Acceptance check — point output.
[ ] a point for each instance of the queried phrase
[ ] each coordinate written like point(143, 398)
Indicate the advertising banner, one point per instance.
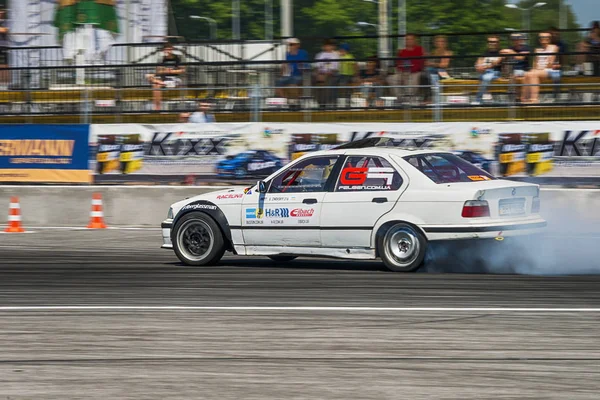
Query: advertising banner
point(44, 153)
point(248, 150)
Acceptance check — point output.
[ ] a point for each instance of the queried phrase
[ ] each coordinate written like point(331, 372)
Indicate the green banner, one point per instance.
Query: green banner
point(72, 13)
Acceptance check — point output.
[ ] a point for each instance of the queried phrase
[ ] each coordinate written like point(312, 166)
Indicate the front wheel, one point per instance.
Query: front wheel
point(197, 240)
point(402, 248)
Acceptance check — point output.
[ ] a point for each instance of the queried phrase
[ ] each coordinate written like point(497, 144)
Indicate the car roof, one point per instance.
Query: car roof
point(374, 151)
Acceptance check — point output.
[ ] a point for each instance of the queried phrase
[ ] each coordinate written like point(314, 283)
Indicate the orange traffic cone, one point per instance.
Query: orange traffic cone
point(14, 217)
point(97, 215)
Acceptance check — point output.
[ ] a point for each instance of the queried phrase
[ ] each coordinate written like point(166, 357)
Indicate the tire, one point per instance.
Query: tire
point(402, 248)
point(198, 240)
point(282, 259)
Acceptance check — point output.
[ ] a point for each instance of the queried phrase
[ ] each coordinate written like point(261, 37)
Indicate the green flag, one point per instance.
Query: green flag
point(72, 13)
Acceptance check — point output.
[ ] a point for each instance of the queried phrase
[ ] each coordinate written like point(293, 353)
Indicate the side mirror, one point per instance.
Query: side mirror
point(262, 187)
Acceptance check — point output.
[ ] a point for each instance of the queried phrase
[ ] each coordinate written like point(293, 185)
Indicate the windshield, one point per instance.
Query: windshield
point(447, 168)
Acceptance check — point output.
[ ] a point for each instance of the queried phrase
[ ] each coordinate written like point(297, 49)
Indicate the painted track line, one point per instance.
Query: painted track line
point(297, 308)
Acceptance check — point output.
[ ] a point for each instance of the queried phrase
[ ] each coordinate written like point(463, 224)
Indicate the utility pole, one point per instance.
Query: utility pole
point(383, 32)
point(269, 20)
point(401, 23)
point(562, 14)
point(235, 6)
point(287, 23)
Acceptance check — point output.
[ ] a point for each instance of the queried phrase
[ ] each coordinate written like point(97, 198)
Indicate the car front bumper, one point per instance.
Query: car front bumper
point(166, 234)
point(485, 231)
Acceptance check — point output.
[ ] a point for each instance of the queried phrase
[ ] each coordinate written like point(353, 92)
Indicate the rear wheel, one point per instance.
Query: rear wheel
point(282, 258)
point(198, 240)
point(402, 248)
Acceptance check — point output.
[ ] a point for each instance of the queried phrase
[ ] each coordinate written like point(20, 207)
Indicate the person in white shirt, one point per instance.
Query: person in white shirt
point(202, 116)
point(326, 72)
point(546, 65)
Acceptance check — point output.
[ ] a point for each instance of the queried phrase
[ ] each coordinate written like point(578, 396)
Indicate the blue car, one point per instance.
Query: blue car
point(476, 159)
point(251, 163)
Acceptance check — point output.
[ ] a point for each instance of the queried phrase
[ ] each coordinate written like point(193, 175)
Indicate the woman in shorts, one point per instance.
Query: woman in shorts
point(545, 66)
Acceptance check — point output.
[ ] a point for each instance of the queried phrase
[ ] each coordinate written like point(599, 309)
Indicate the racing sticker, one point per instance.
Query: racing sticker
point(279, 216)
point(363, 178)
point(479, 178)
point(230, 196)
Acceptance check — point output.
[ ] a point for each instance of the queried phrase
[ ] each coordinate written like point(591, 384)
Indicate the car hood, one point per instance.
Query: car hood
point(218, 197)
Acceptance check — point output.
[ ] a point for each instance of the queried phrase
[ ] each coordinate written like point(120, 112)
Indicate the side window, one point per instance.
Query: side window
point(368, 173)
point(309, 175)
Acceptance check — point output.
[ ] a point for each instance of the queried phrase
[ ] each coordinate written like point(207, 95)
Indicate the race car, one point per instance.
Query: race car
point(251, 163)
point(354, 202)
point(476, 159)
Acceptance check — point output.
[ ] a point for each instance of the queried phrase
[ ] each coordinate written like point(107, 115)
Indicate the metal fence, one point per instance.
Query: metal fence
point(424, 103)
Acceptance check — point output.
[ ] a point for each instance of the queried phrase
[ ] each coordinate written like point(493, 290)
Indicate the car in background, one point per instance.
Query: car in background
point(251, 163)
point(475, 158)
point(356, 202)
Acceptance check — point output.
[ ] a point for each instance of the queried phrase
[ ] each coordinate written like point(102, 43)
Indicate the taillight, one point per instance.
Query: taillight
point(476, 209)
point(535, 205)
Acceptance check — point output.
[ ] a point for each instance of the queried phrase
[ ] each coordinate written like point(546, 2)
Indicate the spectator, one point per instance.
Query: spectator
point(408, 69)
point(167, 74)
point(327, 72)
point(3, 49)
point(591, 44)
point(489, 66)
point(544, 67)
point(348, 69)
point(437, 66)
point(371, 81)
point(518, 59)
point(291, 72)
point(202, 115)
point(562, 47)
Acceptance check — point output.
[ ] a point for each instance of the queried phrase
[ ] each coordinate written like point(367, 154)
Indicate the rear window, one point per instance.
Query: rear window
point(447, 168)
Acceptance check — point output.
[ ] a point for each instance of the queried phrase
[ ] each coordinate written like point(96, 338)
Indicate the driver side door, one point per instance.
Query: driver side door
point(289, 214)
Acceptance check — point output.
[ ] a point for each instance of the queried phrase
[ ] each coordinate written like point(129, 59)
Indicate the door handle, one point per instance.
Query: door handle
point(309, 201)
point(379, 200)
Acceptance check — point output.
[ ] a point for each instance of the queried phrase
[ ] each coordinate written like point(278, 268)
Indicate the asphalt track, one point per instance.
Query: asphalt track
point(106, 314)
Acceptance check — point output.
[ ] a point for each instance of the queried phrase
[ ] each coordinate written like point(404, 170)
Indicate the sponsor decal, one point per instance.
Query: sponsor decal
point(230, 196)
point(363, 187)
point(475, 132)
point(300, 212)
point(199, 207)
point(255, 166)
point(280, 198)
point(164, 144)
point(247, 191)
point(358, 176)
point(254, 213)
point(277, 212)
point(580, 144)
point(276, 222)
point(478, 178)
point(267, 132)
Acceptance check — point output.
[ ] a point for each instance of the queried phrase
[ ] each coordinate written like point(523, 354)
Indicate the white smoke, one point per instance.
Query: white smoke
point(570, 246)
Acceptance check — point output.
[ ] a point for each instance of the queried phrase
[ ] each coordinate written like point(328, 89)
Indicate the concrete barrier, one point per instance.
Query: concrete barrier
point(146, 206)
point(70, 205)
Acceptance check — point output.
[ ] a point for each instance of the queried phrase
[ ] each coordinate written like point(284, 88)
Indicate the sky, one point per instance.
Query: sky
point(586, 11)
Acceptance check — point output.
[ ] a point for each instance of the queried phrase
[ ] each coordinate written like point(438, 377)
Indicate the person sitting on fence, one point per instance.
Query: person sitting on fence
point(291, 72)
point(489, 66)
point(591, 44)
point(327, 72)
point(168, 74)
point(545, 66)
point(372, 81)
point(518, 59)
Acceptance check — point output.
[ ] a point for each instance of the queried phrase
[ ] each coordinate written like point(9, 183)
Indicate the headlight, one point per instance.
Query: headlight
point(170, 213)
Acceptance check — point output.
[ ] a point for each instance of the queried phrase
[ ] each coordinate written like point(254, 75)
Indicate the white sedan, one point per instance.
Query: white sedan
point(355, 203)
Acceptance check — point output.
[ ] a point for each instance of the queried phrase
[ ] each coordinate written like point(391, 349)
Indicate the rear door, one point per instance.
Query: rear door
point(366, 188)
point(289, 215)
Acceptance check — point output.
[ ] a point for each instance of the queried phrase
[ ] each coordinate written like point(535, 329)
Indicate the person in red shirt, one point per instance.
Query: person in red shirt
point(408, 69)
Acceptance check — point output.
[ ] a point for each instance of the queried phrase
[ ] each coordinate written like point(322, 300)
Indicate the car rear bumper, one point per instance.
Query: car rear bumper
point(484, 231)
point(166, 234)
